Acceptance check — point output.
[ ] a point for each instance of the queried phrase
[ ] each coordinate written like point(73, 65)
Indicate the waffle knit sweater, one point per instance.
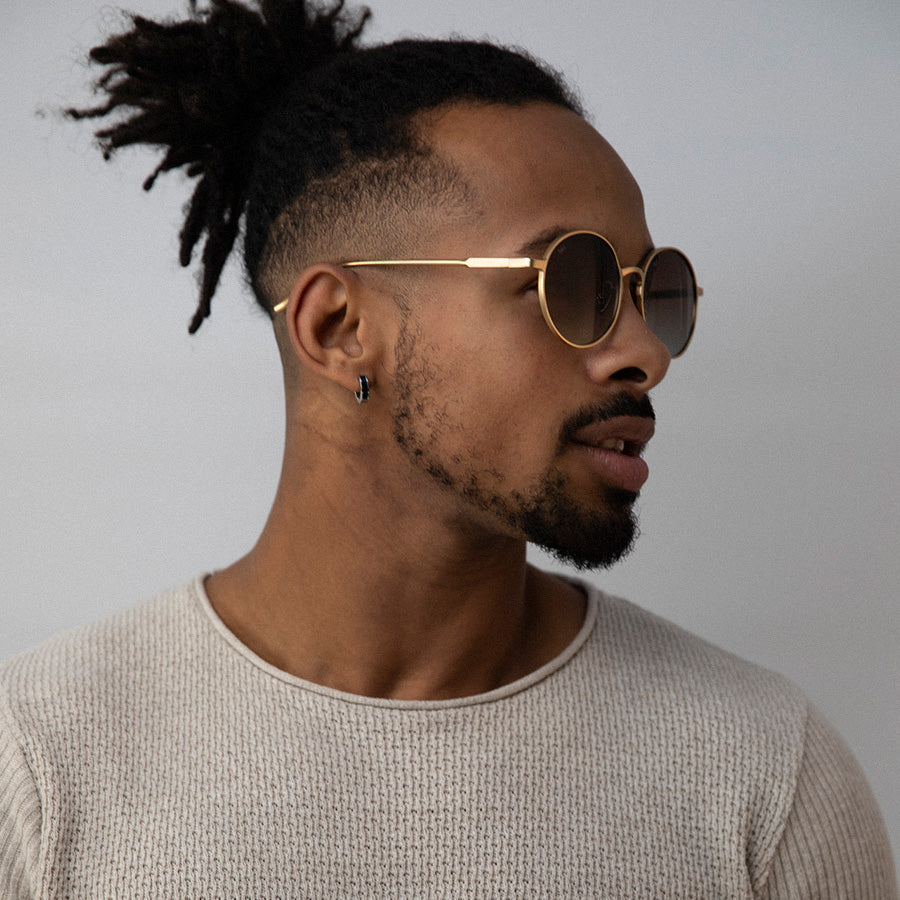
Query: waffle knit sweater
point(152, 755)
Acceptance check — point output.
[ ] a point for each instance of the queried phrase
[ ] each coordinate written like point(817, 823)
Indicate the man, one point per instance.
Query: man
point(382, 698)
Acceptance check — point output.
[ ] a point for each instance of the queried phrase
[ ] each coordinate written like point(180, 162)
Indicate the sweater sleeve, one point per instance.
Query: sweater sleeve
point(20, 815)
point(835, 845)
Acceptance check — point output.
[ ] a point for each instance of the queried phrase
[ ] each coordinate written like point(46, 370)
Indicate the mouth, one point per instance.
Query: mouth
point(613, 448)
point(628, 435)
point(618, 445)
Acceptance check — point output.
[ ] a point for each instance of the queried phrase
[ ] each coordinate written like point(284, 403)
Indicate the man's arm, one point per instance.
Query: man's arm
point(20, 816)
point(835, 845)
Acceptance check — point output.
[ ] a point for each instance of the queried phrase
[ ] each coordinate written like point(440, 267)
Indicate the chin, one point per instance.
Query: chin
point(586, 538)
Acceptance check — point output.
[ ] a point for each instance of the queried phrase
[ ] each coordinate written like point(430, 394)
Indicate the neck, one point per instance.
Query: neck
point(390, 599)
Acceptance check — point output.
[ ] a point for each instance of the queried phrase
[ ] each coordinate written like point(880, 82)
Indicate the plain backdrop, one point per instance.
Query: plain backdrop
point(765, 137)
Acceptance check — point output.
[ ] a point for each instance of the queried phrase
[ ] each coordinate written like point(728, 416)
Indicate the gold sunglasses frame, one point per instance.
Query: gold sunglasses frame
point(528, 262)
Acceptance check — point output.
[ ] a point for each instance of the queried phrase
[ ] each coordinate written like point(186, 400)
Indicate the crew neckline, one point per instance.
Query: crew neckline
point(507, 690)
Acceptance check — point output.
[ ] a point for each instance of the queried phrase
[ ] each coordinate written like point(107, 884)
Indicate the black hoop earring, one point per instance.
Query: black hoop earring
point(362, 395)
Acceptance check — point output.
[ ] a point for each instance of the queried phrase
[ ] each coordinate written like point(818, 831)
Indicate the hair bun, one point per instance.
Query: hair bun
point(200, 89)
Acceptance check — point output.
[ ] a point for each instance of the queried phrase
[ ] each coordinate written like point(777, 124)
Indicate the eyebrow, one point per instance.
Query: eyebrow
point(538, 245)
point(536, 248)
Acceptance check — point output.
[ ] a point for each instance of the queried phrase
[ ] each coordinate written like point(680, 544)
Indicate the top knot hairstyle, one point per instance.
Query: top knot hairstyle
point(293, 129)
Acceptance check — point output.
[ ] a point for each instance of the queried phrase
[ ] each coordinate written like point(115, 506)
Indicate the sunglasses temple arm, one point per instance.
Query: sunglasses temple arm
point(473, 262)
point(488, 262)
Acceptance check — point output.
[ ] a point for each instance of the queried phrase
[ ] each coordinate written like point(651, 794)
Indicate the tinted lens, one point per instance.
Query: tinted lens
point(581, 286)
point(670, 298)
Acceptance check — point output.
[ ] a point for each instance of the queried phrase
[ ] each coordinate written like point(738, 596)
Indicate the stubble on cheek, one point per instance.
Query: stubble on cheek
point(429, 422)
point(416, 424)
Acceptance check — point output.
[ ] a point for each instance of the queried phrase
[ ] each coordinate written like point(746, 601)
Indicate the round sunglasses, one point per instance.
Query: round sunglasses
point(580, 287)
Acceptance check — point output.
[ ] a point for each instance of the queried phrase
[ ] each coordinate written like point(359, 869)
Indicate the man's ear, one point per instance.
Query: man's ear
point(327, 321)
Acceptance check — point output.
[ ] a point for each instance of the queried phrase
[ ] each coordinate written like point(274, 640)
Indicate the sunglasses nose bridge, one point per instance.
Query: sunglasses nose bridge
point(633, 282)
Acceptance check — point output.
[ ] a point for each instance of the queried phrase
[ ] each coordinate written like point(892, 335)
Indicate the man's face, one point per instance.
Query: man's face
point(521, 434)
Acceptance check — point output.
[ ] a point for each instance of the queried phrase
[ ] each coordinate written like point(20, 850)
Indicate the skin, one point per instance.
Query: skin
point(372, 575)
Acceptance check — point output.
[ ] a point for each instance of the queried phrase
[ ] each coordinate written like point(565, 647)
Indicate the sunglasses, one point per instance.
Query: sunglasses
point(580, 287)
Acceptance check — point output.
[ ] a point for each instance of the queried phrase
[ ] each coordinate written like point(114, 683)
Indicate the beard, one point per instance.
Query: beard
point(585, 535)
point(577, 534)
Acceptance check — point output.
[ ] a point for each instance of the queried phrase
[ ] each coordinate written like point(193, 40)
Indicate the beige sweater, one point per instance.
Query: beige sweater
point(151, 755)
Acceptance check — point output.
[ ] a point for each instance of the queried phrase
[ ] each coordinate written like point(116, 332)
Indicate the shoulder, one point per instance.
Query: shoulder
point(120, 633)
point(672, 666)
point(64, 701)
point(75, 672)
point(732, 729)
point(58, 703)
point(703, 712)
point(722, 734)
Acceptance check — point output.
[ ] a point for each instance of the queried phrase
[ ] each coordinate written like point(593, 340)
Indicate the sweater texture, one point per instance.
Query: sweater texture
point(152, 755)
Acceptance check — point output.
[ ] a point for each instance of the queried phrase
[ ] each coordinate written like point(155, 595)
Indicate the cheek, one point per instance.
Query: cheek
point(507, 408)
point(492, 385)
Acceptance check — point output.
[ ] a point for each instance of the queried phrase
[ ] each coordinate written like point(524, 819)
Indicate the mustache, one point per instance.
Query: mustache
point(623, 404)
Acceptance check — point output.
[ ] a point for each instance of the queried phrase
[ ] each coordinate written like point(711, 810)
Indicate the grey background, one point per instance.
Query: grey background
point(765, 136)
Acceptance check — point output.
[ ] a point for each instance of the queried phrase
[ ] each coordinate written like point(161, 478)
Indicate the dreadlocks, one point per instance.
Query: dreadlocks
point(291, 128)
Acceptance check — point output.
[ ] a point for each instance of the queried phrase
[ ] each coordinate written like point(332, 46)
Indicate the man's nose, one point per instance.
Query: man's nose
point(631, 352)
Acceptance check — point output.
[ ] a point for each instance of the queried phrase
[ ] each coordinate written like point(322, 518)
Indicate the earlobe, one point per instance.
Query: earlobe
point(324, 318)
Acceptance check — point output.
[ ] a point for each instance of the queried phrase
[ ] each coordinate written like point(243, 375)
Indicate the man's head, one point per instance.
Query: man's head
point(480, 412)
point(416, 149)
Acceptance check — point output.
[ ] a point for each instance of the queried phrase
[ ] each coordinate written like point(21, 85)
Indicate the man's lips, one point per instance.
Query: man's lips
point(628, 434)
point(613, 448)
